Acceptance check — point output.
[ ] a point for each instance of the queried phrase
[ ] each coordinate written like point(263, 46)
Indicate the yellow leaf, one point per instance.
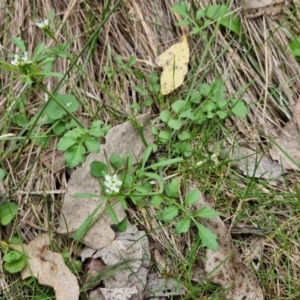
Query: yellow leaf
point(174, 62)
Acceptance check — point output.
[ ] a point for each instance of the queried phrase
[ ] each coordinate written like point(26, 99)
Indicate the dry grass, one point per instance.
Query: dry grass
point(260, 69)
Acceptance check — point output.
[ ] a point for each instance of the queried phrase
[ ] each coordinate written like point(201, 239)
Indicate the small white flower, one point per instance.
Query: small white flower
point(43, 24)
point(112, 183)
point(25, 59)
point(21, 60)
point(16, 61)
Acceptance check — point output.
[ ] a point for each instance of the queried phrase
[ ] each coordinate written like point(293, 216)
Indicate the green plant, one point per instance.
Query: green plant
point(136, 185)
point(14, 261)
point(206, 103)
point(78, 141)
point(74, 265)
point(8, 210)
point(205, 17)
point(2, 174)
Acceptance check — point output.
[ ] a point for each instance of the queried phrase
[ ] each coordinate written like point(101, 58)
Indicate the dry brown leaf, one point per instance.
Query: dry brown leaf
point(256, 8)
point(113, 294)
point(223, 267)
point(49, 268)
point(122, 139)
point(131, 250)
point(289, 142)
point(252, 163)
point(162, 287)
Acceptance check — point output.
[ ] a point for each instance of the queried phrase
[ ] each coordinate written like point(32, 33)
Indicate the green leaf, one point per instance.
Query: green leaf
point(209, 238)
point(192, 197)
point(75, 156)
point(164, 136)
point(12, 256)
point(239, 109)
point(92, 144)
point(139, 88)
point(156, 201)
point(183, 226)
point(153, 78)
point(86, 195)
point(49, 74)
point(172, 188)
point(169, 213)
point(184, 135)
point(231, 20)
point(165, 163)
point(2, 174)
point(164, 116)
point(96, 129)
point(16, 240)
point(222, 114)
point(122, 226)
point(19, 43)
point(184, 148)
point(98, 169)
point(174, 124)
point(38, 50)
point(199, 14)
point(132, 60)
point(204, 89)
point(66, 142)
point(127, 180)
point(54, 111)
point(295, 46)
point(206, 212)
point(146, 156)
point(181, 8)
point(178, 106)
point(184, 23)
point(116, 161)
point(112, 214)
point(20, 119)
point(8, 210)
point(16, 266)
point(59, 128)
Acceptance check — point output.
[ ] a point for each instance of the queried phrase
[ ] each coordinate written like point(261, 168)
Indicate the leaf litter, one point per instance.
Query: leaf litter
point(252, 163)
point(286, 147)
point(49, 268)
point(128, 258)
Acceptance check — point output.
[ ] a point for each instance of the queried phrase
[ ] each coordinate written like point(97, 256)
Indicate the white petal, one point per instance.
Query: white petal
point(107, 178)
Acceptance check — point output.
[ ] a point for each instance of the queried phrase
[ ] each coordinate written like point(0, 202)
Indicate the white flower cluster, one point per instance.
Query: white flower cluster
point(21, 60)
point(43, 24)
point(112, 183)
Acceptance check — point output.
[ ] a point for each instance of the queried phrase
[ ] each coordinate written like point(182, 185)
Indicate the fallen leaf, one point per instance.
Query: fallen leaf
point(289, 145)
point(162, 287)
point(223, 267)
point(113, 294)
point(256, 8)
point(174, 62)
point(49, 268)
point(254, 253)
point(253, 163)
point(121, 139)
point(129, 255)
